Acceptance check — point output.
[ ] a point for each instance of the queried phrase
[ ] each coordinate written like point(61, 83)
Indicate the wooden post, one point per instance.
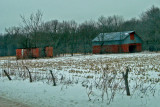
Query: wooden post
point(125, 77)
point(30, 76)
point(53, 78)
point(7, 75)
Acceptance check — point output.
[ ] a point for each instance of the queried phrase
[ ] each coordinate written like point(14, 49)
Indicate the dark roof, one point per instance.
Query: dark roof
point(112, 36)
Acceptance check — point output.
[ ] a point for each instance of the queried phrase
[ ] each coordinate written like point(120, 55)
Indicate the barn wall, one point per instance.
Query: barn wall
point(96, 43)
point(106, 49)
point(125, 48)
point(128, 40)
point(116, 48)
point(139, 47)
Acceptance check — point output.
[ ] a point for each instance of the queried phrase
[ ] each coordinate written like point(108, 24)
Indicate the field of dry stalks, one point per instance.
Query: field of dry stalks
point(141, 65)
point(100, 75)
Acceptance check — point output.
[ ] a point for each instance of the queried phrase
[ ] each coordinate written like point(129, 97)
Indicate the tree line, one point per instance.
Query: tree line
point(70, 37)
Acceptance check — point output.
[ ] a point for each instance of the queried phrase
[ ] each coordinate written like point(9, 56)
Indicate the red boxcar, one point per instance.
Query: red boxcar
point(18, 53)
point(34, 53)
point(21, 53)
point(49, 51)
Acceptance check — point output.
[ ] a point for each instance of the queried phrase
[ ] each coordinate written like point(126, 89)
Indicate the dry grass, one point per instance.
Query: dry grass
point(94, 71)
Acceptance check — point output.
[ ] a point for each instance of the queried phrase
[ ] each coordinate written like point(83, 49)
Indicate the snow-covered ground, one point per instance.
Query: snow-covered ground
point(83, 80)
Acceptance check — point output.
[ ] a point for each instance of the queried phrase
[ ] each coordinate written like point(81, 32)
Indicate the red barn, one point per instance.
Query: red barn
point(117, 42)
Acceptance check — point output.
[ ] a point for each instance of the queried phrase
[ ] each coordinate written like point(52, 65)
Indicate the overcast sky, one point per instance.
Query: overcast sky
point(78, 10)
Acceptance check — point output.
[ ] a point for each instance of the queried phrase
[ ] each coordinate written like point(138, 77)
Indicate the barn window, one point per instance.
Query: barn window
point(132, 36)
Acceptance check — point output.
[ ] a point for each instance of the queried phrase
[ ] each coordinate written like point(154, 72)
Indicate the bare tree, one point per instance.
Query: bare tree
point(32, 25)
point(73, 29)
point(110, 24)
point(150, 26)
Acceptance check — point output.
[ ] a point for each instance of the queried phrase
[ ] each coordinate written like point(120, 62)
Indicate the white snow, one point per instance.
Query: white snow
point(76, 77)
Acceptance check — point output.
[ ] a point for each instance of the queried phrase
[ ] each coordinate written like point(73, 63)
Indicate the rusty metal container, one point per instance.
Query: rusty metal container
point(18, 53)
point(35, 52)
point(49, 51)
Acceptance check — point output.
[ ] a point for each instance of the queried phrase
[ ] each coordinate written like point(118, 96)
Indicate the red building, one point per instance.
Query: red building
point(34, 53)
point(49, 51)
point(117, 42)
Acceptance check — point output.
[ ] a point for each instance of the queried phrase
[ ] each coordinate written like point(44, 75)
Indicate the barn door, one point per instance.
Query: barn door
point(132, 48)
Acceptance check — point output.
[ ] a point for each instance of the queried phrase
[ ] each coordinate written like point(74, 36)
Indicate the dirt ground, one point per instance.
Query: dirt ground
point(8, 103)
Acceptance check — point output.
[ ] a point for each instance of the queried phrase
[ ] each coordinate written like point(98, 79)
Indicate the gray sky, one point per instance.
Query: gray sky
point(78, 10)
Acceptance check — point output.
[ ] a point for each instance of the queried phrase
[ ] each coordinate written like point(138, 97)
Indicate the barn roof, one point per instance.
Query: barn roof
point(112, 36)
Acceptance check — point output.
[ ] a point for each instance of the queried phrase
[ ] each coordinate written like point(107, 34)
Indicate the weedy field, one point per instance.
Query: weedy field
point(83, 80)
